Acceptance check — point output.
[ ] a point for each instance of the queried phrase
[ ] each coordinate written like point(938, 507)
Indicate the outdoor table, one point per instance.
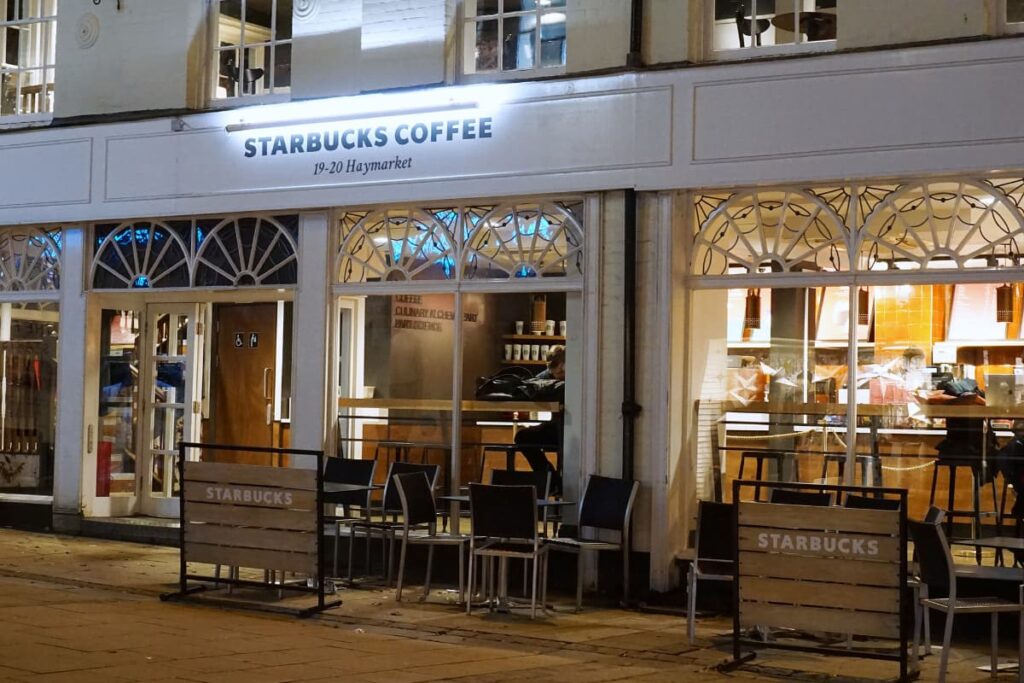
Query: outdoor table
point(540, 503)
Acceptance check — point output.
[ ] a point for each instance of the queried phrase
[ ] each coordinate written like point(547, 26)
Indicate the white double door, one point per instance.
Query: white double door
point(170, 406)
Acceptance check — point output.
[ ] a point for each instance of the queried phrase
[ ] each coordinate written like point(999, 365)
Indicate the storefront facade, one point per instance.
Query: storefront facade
point(335, 221)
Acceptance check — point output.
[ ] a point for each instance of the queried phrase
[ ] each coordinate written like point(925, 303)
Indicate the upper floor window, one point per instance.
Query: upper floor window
point(253, 54)
point(502, 36)
point(1015, 15)
point(754, 24)
point(27, 56)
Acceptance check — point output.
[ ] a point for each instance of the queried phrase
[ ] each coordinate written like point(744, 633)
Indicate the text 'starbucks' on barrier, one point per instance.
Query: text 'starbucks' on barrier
point(250, 508)
point(833, 577)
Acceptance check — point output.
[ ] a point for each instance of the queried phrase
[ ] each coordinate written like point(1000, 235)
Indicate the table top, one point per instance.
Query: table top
point(540, 503)
point(817, 25)
point(998, 542)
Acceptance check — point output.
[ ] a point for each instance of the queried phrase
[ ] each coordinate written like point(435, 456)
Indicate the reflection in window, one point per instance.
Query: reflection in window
point(756, 23)
point(254, 44)
point(27, 56)
point(514, 35)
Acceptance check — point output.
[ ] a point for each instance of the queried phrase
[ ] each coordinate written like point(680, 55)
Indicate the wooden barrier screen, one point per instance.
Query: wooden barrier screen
point(251, 516)
point(815, 569)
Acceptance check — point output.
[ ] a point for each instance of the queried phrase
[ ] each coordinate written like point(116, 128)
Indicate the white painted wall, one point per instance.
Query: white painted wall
point(597, 34)
point(326, 50)
point(403, 43)
point(148, 56)
point(868, 23)
point(669, 30)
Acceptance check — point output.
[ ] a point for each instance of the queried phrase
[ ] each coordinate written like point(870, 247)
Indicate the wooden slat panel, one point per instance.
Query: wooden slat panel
point(264, 539)
point(884, 522)
point(252, 475)
point(803, 543)
point(267, 518)
point(258, 559)
point(267, 497)
point(817, 619)
point(814, 594)
point(794, 567)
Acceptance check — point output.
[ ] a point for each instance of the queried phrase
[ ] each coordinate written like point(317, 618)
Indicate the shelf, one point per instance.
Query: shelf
point(533, 337)
point(524, 362)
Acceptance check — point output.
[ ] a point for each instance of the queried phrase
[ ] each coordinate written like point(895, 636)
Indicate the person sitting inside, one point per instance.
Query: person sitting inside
point(533, 441)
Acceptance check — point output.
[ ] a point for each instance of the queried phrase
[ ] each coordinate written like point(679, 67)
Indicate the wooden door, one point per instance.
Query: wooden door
point(243, 374)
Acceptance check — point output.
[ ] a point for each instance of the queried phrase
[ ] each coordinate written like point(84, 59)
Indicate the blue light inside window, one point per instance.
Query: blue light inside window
point(525, 271)
point(448, 265)
point(141, 282)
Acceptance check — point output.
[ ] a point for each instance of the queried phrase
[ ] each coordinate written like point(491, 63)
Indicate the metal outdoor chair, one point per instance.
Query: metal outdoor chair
point(937, 572)
point(790, 497)
point(503, 523)
point(391, 506)
point(539, 480)
point(419, 512)
point(855, 502)
point(349, 471)
point(714, 553)
point(608, 506)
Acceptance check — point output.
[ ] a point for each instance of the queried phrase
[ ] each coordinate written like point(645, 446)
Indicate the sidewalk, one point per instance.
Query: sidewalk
point(79, 609)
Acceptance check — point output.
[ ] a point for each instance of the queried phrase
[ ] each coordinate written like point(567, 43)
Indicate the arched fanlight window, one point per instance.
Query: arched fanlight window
point(523, 241)
point(959, 224)
point(140, 255)
point(774, 230)
point(30, 259)
point(246, 251)
point(395, 245)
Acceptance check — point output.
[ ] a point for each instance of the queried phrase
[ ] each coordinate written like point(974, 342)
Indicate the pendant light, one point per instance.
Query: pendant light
point(863, 306)
point(1004, 303)
point(752, 310)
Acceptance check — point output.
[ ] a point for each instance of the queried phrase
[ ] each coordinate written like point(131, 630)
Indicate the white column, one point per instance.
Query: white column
point(71, 440)
point(309, 348)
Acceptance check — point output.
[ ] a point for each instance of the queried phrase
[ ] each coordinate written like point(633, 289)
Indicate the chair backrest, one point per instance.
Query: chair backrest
point(746, 26)
point(417, 498)
point(935, 515)
point(715, 531)
point(608, 502)
point(868, 503)
point(933, 558)
point(790, 497)
point(392, 503)
point(539, 480)
point(503, 511)
point(350, 471)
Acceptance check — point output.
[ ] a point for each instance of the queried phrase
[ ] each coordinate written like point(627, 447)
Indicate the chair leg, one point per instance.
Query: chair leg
point(759, 473)
point(625, 574)
point(533, 593)
point(430, 565)
point(691, 596)
point(946, 638)
point(935, 480)
point(337, 542)
point(469, 589)
point(579, 580)
point(994, 653)
point(462, 578)
point(351, 548)
point(915, 650)
point(1020, 643)
point(544, 586)
point(401, 571)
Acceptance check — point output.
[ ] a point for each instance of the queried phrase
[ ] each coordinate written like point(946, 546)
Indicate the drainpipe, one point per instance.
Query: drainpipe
point(630, 408)
point(635, 57)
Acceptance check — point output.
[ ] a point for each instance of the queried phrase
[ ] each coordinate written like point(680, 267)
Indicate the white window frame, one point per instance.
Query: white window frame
point(241, 32)
point(467, 43)
point(43, 56)
point(751, 51)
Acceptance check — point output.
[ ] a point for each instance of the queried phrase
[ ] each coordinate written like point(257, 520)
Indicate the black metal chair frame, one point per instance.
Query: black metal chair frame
point(715, 529)
point(353, 471)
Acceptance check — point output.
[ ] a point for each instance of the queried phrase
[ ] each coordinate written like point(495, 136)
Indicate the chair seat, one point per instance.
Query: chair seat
point(438, 539)
point(987, 604)
point(576, 544)
point(972, 571)
point(507, 549)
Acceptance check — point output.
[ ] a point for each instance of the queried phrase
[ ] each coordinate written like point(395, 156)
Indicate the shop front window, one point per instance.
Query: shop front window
point(27, 56)
point(503, 36)
point(747, 25)
point(254, 47)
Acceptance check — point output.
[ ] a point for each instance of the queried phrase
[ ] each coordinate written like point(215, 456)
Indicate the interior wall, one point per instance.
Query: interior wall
point(667, 29)
point(166, 44)
point(867, 23)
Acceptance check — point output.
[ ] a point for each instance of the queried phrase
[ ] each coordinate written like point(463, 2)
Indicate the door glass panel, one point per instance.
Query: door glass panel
point(167, 400)
point(118, 403)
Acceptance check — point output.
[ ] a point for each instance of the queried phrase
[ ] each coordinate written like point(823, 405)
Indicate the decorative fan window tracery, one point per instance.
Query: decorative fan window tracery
point(237, 251)
point(397, 245)
point(944, 225)
point(523, 241)
point(30, 259)
point(497, 242)
point(778, 230)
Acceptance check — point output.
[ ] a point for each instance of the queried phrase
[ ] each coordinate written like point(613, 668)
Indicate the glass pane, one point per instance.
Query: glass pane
point(772, 387)
point(13, 10)
point(401, 411)
point(253, 76)
point(229, 25)
point(521, 5)
point(1014, 10)
point(8, 94)
point(486, 45)
point(484, 8)
point(227, 77)
point(34, 93)
point(28, 357)
point(118, 403)
point(283, 66)
point(552, 39)
point(12, 45)
point(518, 42)
point(284, 20)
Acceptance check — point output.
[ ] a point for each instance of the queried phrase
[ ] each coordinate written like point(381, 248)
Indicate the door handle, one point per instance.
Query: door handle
point(268, 394)
point(270, 413)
